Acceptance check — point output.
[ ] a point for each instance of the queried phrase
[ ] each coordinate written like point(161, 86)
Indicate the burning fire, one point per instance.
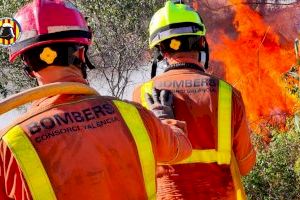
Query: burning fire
point(254, 62)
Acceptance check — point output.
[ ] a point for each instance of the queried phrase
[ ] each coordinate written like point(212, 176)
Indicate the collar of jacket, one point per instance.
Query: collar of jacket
point(184, 66)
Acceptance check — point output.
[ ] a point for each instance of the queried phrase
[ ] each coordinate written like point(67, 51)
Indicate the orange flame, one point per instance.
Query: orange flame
point(254, 62)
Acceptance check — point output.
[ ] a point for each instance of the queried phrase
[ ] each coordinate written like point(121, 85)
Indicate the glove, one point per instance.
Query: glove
point(160, 103)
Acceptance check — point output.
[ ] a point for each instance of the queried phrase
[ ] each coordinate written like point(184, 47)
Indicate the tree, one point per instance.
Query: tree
point(120, 44)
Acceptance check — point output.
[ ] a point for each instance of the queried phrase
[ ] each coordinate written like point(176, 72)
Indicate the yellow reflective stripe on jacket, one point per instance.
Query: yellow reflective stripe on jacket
point(131, 116)
point(201, 156)
point(237, 181)
point(206, 156)
point(146, 88)
point(223, 153)
point(30, 164)
point(224, 122)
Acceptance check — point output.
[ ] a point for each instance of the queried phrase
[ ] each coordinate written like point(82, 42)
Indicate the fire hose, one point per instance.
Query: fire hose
point(36, 93)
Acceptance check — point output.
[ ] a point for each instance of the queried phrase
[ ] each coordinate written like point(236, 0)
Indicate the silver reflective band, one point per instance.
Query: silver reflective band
point(174, 31)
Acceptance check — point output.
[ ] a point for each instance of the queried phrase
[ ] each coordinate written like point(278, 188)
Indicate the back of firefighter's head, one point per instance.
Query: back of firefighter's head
point(178, 28)
point(54, 33)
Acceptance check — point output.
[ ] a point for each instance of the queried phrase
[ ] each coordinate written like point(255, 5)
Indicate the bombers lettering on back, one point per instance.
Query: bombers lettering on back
point(66, 118)
point(205, 82)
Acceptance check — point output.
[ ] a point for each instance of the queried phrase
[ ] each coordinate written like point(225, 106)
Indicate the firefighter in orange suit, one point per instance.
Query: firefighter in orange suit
point(86, 147)
point(213, 110)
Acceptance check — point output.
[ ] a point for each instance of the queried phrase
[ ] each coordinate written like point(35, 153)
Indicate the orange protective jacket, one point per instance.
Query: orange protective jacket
point(196, 102)
point(87, 149)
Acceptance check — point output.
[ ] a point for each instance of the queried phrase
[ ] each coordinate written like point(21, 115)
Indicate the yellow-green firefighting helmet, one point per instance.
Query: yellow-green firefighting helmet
point(174, 19)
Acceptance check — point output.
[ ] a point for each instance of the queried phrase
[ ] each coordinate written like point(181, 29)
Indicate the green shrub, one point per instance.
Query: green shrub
point(277, 171)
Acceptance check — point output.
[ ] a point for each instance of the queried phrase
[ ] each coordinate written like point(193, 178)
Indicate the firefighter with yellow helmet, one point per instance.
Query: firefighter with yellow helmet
point(213, 110)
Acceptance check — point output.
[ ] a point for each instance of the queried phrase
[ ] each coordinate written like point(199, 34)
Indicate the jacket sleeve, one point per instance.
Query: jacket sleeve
point(242, 145)
point(169, 137)
point(12, 183)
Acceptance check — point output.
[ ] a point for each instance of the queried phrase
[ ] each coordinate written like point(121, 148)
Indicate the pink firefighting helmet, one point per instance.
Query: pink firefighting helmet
point(47, 22)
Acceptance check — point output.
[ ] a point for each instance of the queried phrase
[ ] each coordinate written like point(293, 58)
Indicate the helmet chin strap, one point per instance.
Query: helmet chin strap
point(204, 54)
point(157, 57)
point(86, 64)
point(202, 58)
point(87, 61)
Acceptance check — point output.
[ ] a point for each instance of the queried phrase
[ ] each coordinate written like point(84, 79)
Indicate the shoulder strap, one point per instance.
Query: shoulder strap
point(135, 124)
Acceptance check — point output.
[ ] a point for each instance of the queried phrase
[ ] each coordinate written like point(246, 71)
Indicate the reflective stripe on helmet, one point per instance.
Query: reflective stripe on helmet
point(51, 29)
point(222, 154)
point(51, 36)
point(139, 132)
point(30, 164)
point(55, 29)
point(173, 30)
